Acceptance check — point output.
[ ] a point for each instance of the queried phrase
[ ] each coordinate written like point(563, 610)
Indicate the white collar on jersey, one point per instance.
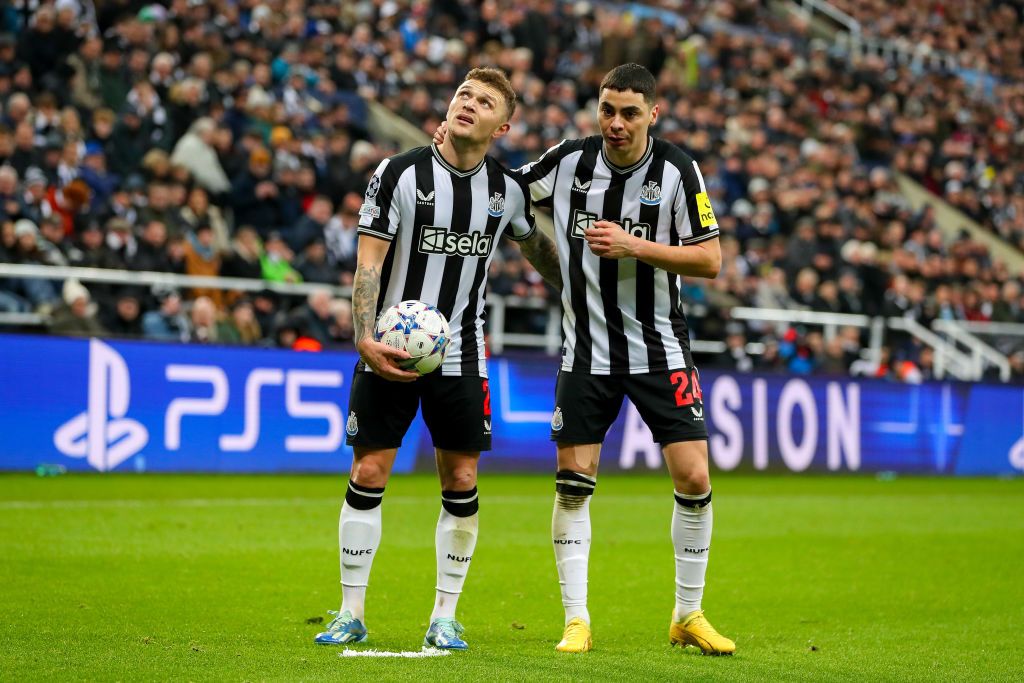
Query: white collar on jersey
point(451, 169)
point(629, 169)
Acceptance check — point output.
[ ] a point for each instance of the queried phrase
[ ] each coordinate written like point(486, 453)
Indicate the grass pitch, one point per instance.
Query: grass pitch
point(218, 578)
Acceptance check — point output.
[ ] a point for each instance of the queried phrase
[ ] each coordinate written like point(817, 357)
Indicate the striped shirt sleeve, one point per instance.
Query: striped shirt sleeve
point(522, 225)
point(380, 214)
point(695, 220)
point(540, 175)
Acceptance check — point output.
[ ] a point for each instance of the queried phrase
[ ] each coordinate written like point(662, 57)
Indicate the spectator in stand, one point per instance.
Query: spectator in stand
point(341, 238)
point(243, 258)
point(341, 330)
point(168, 322)
point(255, 196)
point(26, 250)
point(735, 354)
point(207, 328)
point(275, 262)
point(195, 152)
point(202, 258)
point(198, 210)
point(314, 319)
point(59, 249)
point(311, 226)
point(76, 317)
point(313, 265)
point(151, 253)
point(124, 319)
point(11, 205)
point(243, 322)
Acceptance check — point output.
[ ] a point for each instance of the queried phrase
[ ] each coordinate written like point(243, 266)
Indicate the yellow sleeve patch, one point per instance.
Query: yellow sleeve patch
point(704, 210)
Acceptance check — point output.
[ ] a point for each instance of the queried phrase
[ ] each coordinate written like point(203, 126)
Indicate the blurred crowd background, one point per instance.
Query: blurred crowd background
point(233, 139)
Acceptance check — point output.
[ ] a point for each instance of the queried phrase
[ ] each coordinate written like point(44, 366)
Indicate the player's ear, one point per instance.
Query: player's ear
point(501, 130)
point(654, 114)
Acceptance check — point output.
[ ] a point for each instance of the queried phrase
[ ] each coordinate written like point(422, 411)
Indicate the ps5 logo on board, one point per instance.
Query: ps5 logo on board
point(102, 434)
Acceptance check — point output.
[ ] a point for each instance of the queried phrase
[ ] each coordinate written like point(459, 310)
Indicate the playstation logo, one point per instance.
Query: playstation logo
point(102, 434)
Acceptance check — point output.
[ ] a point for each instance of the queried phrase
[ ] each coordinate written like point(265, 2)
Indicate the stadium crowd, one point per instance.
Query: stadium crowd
point(217, 138)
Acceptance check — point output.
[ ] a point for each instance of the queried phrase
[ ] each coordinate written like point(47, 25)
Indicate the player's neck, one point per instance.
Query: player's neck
point(626, 158)
point(462, 155)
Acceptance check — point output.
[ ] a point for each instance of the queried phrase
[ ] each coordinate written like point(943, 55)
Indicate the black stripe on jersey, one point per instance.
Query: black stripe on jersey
point(583, 351)
point(471, 362)
point(462, 214)
point(608, 277)
point(423, 216)
point(649, 214)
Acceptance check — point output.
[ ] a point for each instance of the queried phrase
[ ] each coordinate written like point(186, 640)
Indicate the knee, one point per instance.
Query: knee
point(370, 472)
point(461, 478)
point(694, 482)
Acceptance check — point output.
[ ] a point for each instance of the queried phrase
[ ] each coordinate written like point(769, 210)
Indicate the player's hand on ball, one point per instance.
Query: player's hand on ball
point(608, 240)
point(383, 360)
point(441, 131)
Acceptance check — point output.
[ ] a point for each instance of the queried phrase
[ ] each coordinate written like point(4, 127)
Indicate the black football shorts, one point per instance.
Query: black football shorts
point(456, 410)
point(670, 402)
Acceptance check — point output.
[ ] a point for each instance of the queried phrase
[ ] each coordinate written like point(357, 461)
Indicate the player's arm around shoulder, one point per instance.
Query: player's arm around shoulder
point(540, 251)
point(536, 247)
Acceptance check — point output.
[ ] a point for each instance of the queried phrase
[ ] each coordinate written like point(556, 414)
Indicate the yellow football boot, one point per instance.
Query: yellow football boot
point(694, 629)
point(576, 637)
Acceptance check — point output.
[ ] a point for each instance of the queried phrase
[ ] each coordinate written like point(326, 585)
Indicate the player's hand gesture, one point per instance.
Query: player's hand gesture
point(383, 360)
point(441, 131)
point(608, 240)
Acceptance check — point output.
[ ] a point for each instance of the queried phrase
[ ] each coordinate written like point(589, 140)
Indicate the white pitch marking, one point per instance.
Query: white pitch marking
point(425, 652)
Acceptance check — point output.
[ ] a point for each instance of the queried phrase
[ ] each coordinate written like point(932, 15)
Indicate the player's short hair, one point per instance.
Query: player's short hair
point(497, 79)
point(631, 77)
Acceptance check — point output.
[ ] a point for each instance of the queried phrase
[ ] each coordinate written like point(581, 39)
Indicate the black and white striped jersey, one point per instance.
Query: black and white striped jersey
point(621, 316)
point(444, 225)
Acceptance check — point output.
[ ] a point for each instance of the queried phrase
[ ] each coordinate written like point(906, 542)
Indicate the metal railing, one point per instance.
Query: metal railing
point(897, 51)
point(947, 358)
point(151, 278)
point(809, 7)
point(980, 351)
point(829, 322)
point(550, 340)
point(945, 337)
point(13, 319)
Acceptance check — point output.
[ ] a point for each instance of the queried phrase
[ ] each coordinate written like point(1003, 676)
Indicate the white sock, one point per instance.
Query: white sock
point(691, 539)
point(570, 535)
point(359, 531)
point(454, 543)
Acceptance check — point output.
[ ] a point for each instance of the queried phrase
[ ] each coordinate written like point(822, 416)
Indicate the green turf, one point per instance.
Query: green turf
point(216, 578)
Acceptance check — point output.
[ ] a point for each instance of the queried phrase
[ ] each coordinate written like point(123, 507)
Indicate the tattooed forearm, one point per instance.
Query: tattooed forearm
point(540, 250)
point(365, 289)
